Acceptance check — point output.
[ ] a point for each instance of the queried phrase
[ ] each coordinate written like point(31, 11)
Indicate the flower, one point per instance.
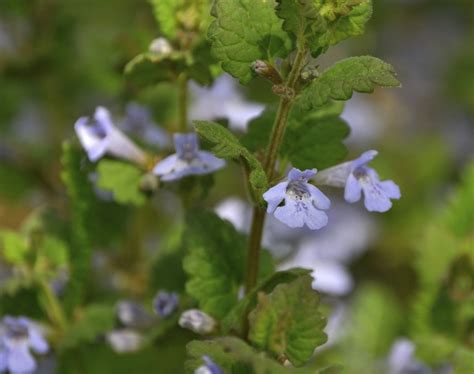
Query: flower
point(132, 314)
point(188, 160)
point(165, 303)
point(197, 321)
point(138, 121)
point(356, 177)
point(160, 46)
point(17, 337)
point(101, 137)
point(223, 100)
point(402, 359)
point(124, 340)
point(303, 202)
point(209, 368)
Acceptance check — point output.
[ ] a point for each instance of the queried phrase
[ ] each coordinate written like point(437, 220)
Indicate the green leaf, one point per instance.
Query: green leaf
point(300, 18)
point(341, 20)
point(54, 251)
point(234, 356)
point(236, 319)
point(245, 31)
point(122, 179)
point(165, 14)
point(287, 323)
point(316, 143)
point(361, 74)
point(320, 24)
point(14, 247)
point(96, 319)
point(215, 262)
point(226, 145)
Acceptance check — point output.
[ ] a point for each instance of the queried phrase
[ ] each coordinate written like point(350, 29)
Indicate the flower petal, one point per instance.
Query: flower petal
point(3, 359)
point(321, 201)
point(211, 162)
point(103, 118)
point(290, 214)
point(352, 192)
point(391, 189)
point(363, 159)
point(37, 342)
point(20, 359)
point(315, 218)
point(166, 165)
point(375, 198)
point(275, 195)
point(297, 174)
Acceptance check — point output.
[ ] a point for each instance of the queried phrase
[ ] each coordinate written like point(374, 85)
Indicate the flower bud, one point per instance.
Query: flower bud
point(197, 321)
point(160, 46)
point(267, 71)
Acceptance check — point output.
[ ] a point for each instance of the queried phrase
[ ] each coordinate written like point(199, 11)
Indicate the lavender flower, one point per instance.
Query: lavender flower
point(132, 314)
point(302, 202)
point(356, 177)
point(210, 367)
point(138, 120)
point(197, 321)
point(188, 160)
point(101, 137)
point(165, 303)
point(17, 337)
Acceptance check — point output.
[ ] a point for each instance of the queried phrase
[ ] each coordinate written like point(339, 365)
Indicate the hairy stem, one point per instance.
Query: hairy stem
point(276, 138)
point(183, 102)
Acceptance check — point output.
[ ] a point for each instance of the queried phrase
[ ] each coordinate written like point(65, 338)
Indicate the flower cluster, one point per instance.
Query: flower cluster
point(17, 337)
point(102, 137)
point(296, 202)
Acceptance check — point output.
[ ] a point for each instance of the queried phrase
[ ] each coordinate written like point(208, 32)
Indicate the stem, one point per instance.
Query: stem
point(53, 307)
point(276, 138)
point(183, 102)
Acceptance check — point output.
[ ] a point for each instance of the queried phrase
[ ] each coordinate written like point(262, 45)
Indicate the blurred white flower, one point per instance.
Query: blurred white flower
point(402, 359)
point(124, 340)
point(161, 46)
point(197, 321)
point(223, 101)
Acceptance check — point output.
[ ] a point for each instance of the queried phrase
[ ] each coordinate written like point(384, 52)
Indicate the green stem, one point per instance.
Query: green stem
point(53, 307)
point(183, 102)
point(276, 138)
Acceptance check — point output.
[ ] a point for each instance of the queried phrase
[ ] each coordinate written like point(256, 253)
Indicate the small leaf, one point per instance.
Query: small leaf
point(287, 323)
point(54, 251)
point(234, 356)
point(361, 74)
point(122, 179)
point(165, 14)
point(245, 31)
point(215, 262)
point(235, 320)
point(14, 247)
point(226, 145)
point(342, 19)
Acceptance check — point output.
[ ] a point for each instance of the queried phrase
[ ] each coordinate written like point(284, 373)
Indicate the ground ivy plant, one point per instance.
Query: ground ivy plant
point(247, 317)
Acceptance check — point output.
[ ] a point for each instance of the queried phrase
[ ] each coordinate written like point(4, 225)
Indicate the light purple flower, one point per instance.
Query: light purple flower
point(356, 177)
point(188, 160)
point(138, 120)
point(303, 203)
point(210, 367)
point(101, 137)
point(17, 337)
point(165, 303)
